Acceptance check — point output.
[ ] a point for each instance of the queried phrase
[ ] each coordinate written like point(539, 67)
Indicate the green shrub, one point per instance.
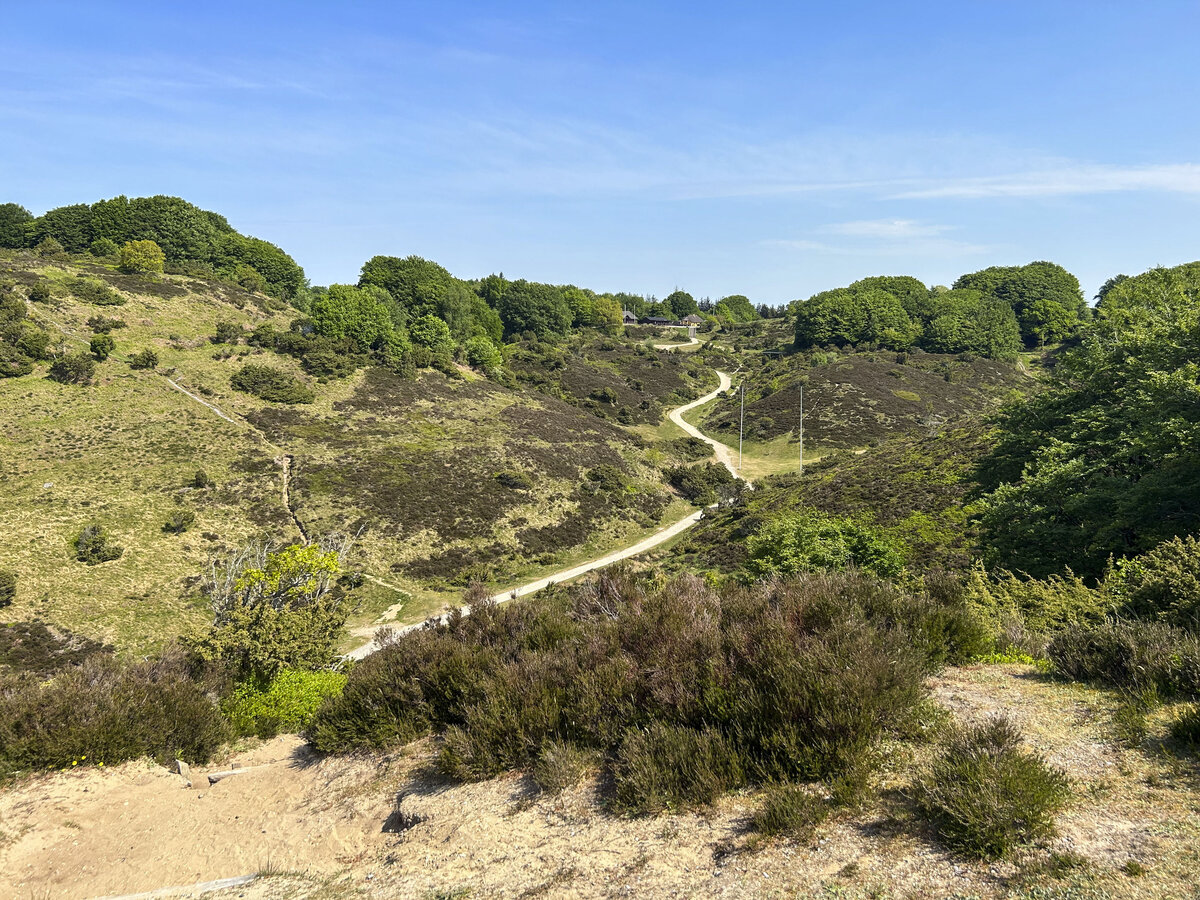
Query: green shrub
point(8, 587)
point(810, 542)
point(89, 290)
point(101, 346)
point(790, 809)
point(271, 384)
point(104, 324)
point(1026, 612)
point(202, 479)
point(517, 481)
point(14, 363)
point(145, 359)
point(49, 248)
point(1163, 584)
point(1138, 655)
point(102, 247)
point(40, 292)
point(1186, 727)
point(1129, 721)
point(274, 610)
point(179, 521)
point(74, 368)
point(228, 333)
point(699, 483)
point(142, 257)
point(671, 767)
point(482, 354)
point(986, 795)
point(94, 546)
point(105, 712)
point(560, 766)
point(285, 705)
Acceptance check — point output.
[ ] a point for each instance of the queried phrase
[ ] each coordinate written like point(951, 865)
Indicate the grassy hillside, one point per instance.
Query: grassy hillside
point(857, 398)
point(912, 487)
point(412, 463)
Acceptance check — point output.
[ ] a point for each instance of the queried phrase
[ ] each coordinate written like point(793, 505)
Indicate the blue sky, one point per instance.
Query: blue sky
point(770, 149)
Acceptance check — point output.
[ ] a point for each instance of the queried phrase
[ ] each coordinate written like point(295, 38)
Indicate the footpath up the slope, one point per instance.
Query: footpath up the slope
point(720, 451)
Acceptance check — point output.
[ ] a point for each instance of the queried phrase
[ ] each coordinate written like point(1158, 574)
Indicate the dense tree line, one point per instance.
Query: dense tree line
point(992, 312)
point(191, 239)
point(1106, 460)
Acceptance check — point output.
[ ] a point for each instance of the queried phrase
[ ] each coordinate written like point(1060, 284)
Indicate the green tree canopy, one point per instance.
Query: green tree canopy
point(911, 292)
point(681, 303)
point(1045, 297)
point(735, 308)
point(360, 314)
point(530, 306)
point(16, 226)
point(1105, 461)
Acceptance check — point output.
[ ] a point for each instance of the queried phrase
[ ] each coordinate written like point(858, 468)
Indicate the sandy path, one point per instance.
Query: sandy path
point(688, 343)
point(723, 454)
point(98, 832)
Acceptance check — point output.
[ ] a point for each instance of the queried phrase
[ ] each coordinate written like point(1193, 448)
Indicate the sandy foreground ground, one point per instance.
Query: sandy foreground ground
point(384, 827)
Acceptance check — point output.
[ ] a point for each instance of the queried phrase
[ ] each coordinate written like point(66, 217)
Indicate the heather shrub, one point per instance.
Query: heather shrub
point(8, 587)
point(560, 766)
point(986, 795)
point(104, 324)
point(673, 767)
point(36, 648)
point(285, 704)
point(1139, 655)
point(682, 692)
point(105, 712)
point(790, 809)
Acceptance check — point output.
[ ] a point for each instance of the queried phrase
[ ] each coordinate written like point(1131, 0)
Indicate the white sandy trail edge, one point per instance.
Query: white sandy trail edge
point(723, 454)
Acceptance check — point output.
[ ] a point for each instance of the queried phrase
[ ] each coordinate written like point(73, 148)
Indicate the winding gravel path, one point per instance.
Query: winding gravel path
point(723, 455)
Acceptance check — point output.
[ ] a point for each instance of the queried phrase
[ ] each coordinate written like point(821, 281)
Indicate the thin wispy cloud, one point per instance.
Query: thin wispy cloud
point(887, 228)
point(1181, 178)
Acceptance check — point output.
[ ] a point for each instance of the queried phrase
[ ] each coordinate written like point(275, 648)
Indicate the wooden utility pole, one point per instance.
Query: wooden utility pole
point(741, 428)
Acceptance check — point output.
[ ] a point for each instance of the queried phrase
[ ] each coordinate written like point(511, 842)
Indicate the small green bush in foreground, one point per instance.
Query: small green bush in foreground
point(985, 795)
point(285, 705)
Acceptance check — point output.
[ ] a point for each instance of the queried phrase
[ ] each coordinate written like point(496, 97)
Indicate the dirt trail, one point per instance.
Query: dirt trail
point(691, 341)
point(98, 832)
point(91, 833)
point(723, 455)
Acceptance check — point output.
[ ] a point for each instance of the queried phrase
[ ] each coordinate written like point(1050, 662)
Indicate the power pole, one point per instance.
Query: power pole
point(802, 431)
point(741, 428)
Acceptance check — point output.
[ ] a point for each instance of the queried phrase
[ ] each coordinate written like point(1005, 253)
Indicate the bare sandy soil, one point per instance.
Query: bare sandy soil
point(315, 829)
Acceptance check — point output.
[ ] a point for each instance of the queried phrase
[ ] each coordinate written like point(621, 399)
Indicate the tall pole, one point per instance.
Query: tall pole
point(801, 430)
point(741, 427)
